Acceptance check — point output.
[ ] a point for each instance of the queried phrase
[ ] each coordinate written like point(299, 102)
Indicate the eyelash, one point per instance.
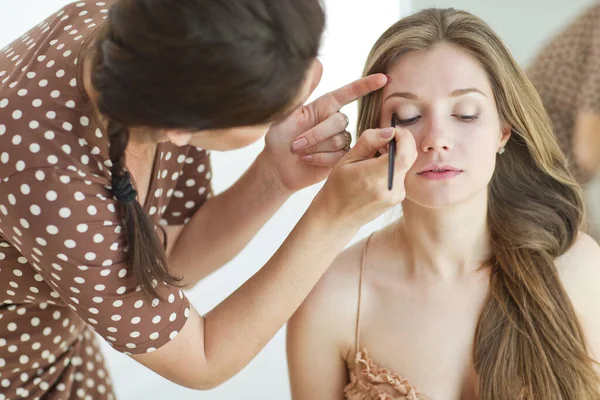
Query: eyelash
point(464, 118)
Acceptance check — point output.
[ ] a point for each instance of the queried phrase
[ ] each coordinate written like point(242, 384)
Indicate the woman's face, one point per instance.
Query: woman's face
point(443, 97)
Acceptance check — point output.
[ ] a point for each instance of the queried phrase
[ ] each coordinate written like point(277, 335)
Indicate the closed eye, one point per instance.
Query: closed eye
point(466, 118)
point(404, 122)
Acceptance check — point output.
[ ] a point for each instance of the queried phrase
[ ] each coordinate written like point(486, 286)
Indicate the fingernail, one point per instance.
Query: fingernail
point(308, 158)
point(300, 144)
point(389, 78)
point(387, 133)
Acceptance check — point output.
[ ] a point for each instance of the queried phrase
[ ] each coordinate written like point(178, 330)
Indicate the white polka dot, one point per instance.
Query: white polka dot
point(22, 92)
point(51, 229)
point(12, 327)
point(122, 273)
point(100, 287)
point(17, 114)
point(50, 64)
point(35, 209)
point(69, 243)
point(64, 212)
point(51, 195)
point(41, 241)
point(135, 320)
point(90, 256)
point(173, 317)
point(67, 126)
point(189, 205)
point(43, 83)
point(3, 103)
point(36, 103)
point(20, 165)
point(31, 75)
point(4, 157)
point(34, 124)
point(70, 104)
point(55, 94)
point(34, 147)
point(85, 159)
point(116, 317)
point(121, 290)
point(35, 321)
point(92, 210)
point(79, 196)
point(50, 115)
point(155, 302)
point(65, 179)
point(52, 159)
point(82, 228)
point(2, 129)
point(117, 303)
point(173, 334)
point(60, 73)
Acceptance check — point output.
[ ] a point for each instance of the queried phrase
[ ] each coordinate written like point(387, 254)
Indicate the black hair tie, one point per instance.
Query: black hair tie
point(123, 189)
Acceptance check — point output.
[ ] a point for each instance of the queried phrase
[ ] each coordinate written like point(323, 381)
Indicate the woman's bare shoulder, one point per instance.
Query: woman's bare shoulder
point(332, 305)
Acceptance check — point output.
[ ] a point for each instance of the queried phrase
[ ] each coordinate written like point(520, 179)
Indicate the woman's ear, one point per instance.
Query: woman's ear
point(505, 134)
point(179, 138)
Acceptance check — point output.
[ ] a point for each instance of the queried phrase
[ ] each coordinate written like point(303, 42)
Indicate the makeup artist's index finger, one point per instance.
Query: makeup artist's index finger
point(333, 101)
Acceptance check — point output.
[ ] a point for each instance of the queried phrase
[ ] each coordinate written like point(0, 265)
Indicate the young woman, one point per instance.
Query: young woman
point(485, 288)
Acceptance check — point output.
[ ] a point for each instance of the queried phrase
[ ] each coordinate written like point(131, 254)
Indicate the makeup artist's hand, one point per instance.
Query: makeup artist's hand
point(303, 148)
point(357, 188)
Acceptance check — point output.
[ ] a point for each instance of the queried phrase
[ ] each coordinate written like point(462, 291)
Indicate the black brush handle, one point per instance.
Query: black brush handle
point(392, 155)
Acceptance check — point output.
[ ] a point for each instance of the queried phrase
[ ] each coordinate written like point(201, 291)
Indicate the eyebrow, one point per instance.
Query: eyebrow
point(454, 93)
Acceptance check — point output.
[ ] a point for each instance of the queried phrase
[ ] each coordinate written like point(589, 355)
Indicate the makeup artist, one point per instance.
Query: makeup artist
point(107, 110)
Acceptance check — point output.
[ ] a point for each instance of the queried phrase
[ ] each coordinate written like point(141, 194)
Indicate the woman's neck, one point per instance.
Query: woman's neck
point(447, 242)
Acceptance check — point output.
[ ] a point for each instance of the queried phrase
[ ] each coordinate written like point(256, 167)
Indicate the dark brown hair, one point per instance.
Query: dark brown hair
point(196, 65)
point(529, 343)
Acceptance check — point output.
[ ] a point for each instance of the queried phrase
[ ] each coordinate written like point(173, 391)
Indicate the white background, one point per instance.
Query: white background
point(352, 28)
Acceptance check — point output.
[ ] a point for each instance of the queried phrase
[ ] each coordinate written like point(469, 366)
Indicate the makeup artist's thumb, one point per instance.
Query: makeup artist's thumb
point(369, 143)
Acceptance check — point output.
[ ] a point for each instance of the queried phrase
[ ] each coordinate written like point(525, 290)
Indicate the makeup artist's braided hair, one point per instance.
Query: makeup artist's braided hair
point(194, 65)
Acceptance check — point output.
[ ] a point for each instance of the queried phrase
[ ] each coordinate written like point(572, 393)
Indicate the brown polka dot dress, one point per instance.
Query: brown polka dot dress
point(63, 275)
point(566, 74)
